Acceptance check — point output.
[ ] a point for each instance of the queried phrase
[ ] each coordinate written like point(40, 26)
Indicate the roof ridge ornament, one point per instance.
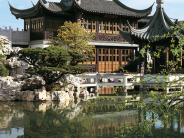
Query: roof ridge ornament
point(78, 2)
point(160, 2)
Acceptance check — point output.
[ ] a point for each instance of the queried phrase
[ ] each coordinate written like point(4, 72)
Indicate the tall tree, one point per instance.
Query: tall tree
point(77, 39)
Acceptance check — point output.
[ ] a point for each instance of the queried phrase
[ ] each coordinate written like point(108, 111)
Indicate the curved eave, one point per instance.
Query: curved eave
point(24, 13)
point(159, 25)
point(144, 35)
point(144, 11)
point(136, 13)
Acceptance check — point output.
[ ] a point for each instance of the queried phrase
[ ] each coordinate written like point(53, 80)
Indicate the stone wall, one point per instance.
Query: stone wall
point(17, 37)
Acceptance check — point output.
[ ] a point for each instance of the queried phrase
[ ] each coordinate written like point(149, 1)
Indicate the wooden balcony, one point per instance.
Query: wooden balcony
point(109, 37)
point(98, 36)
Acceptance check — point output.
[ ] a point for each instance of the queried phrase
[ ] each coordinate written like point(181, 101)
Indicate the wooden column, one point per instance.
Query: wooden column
point(97, 59)
point(181, 58)
point(120, 57)
point(167, 56)
point(97, 26)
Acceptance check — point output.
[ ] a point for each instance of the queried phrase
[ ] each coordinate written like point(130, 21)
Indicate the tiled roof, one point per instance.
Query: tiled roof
point(158, 25)
point(114, 7)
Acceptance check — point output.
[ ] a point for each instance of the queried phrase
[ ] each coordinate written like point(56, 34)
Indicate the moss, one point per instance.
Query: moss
point(3, 71)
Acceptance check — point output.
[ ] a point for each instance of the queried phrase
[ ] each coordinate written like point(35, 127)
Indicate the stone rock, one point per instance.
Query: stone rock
point(41, 95)
point(61, 96)
point(16, 50)
point(71, 95)
point(71, 79)
point(35, 82)
point(71, 87)
point(27, 96)
point(13, 62)
point(9, 88)
point(6, 48)
point(84, 95)
point(32, 89)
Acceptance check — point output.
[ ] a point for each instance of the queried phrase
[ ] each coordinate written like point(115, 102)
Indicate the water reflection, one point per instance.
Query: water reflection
point(48, 120)
point(12, 133)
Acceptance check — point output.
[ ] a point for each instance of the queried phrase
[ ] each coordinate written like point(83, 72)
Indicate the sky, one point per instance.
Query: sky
point(174, 9)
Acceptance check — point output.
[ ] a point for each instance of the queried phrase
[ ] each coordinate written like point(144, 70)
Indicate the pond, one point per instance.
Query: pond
point(48, 120)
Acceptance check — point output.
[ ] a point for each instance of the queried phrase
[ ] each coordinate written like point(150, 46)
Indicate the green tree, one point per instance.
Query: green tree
point(171, 51)
point(67, 50)
point(50, 63)
point(77, 39)
point(160, 105)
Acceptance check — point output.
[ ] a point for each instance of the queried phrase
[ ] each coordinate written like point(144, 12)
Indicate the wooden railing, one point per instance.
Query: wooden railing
point(98, 36)
point(109, 37)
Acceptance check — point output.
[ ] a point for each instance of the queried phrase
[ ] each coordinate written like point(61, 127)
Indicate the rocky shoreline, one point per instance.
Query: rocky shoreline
point(32, 89)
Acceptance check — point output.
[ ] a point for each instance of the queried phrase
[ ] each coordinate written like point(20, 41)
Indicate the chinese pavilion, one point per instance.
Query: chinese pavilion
point(104, 18)
point(159, 25)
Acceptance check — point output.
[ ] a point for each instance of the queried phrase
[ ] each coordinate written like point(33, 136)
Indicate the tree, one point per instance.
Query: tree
point(77, 39)
point(160, 105)
point(167, 52)
point(67, 50)
point(50, 63)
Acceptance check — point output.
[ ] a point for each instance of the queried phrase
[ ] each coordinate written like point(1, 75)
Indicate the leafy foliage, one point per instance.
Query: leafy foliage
point(3, 70)
point(67, 50)
point(173, 44)
point(77, 40)
point(143, 129)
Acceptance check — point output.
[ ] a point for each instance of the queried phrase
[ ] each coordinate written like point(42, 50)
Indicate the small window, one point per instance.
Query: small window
point(111, 58)
point(123, 52)
point(100, 51)
point(123, 58)
point(100, 58)
point(117, 58)
point(111, 51)
point(127, 52)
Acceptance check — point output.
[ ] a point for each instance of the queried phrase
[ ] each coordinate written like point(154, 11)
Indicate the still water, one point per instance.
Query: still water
point(48, 120)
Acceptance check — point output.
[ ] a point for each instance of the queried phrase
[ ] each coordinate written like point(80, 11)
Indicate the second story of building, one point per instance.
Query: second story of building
point(103, 17)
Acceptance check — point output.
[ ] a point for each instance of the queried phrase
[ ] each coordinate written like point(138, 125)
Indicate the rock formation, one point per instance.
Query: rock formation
point(32, 89)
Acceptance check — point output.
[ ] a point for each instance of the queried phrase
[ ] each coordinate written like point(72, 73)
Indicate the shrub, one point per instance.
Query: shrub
point(3, 71)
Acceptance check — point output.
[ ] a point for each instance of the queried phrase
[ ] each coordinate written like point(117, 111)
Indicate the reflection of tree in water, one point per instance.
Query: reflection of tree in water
point(171, 125)
point(9, 117)
point(52, 123)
